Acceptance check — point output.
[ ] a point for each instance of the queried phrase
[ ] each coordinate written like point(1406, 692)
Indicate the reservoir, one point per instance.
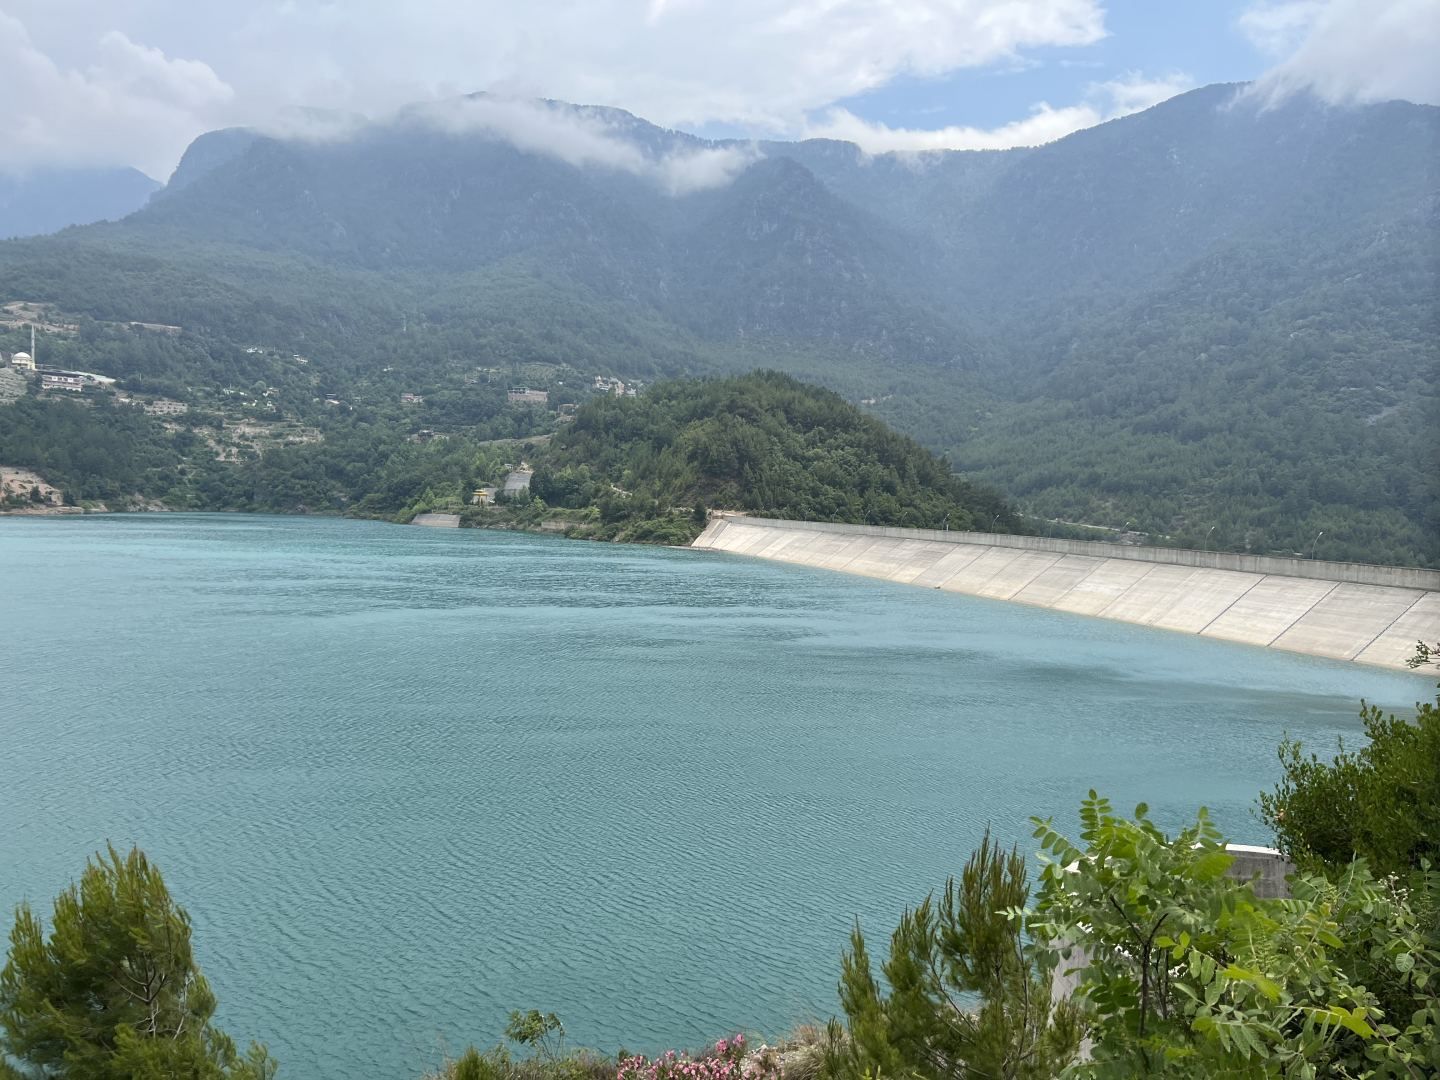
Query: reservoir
point(406, 780)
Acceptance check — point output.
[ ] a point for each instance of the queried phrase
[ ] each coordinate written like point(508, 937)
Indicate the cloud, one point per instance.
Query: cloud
point(1277, 29)
point(586, 137)
point(128, 95)
point(1349, 52)
point(759, 65)
point(1103, 101)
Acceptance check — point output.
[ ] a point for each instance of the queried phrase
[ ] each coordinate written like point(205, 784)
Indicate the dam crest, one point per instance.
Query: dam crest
point(1344, 611)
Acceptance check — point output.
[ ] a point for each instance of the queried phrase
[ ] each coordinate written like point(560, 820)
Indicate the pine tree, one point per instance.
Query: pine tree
point(114, 993)
point(969, 997)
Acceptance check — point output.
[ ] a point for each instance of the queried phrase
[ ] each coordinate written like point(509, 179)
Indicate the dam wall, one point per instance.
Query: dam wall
point(1344, 611)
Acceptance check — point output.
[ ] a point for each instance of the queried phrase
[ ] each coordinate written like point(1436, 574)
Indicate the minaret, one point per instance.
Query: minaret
point(32, 341)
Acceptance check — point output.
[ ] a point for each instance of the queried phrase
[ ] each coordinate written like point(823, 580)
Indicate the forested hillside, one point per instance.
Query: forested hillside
point(765, 443)
point(1209, 322)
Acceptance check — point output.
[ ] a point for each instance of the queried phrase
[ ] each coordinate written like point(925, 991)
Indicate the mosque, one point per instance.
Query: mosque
point(25, 361)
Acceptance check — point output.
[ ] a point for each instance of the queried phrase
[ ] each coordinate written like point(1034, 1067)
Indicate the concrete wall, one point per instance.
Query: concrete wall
point(1346, 611)
point(437, 521)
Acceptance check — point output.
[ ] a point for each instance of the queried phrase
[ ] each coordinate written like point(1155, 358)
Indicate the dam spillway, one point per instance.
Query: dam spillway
point(1343, 611)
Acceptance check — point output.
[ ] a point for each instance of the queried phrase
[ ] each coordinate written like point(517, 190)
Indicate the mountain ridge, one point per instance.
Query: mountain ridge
point(1051, 317)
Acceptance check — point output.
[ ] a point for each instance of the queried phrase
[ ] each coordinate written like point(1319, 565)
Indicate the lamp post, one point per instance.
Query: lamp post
point(1314, 543)
point(1206, 545)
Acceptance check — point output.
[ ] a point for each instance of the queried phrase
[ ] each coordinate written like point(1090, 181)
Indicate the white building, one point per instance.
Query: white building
point(61, 380)
point(23, 361)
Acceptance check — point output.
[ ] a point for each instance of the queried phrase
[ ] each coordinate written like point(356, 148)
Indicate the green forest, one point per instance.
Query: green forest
point(633, 468)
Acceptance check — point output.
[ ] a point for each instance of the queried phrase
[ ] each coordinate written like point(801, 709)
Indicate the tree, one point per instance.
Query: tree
point(943, 957)
point(1186, 972)
point(114, 993)
point(1380, 803)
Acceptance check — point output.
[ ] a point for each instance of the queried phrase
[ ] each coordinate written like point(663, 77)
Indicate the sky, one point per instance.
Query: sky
point(131, 82)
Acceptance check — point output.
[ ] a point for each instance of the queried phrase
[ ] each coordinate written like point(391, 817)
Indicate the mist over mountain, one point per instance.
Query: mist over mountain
point(47, 200)
point(1209, 319)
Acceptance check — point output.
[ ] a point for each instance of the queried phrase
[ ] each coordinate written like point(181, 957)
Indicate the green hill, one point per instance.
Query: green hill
point(764, 443)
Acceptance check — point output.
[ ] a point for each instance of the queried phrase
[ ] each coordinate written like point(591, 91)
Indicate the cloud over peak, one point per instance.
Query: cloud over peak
point(586, 138)
point(1348, 52)
point(1046, 123)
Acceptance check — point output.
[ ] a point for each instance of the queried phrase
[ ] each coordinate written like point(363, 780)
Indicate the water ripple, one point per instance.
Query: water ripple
point(408, 780)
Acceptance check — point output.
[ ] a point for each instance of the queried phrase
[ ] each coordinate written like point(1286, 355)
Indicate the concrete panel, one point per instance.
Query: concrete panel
point(1102, 587)
point(842, 558)
point(1268, 610)
point(1015, 575)
point(749, 541)
point(1052, 583)
point(947, 566)
point(914, 557)
point(706, 539)
point(1347, 620)
point(878, 560)
point(776, 547)
point(1396, 644)
point(970, 578)
point(1151, 597)
point(812, 550)
point(1204, 596)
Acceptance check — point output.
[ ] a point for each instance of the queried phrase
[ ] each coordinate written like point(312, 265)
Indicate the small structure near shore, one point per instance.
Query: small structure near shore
point(437, 521)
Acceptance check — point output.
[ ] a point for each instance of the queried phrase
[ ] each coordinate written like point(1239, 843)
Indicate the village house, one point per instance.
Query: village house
point(61, 380)
point(165, 407)
point(524, 395)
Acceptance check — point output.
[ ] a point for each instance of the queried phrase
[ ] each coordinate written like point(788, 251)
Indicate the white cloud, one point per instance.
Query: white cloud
point(585, 137)
point(1350, 51)
point(1103, 101)
point(130, 104)
point(761, 65)
point(1277, 28)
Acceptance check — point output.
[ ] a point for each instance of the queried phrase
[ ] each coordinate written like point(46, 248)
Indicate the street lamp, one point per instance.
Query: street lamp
point(1315, 542)
point(1206, 545)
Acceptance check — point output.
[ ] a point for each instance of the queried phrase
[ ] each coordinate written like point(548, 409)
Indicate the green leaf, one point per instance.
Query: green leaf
point(1212, 865)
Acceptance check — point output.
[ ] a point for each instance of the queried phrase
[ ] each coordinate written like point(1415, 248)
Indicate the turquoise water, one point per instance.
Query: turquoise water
point(406, 780)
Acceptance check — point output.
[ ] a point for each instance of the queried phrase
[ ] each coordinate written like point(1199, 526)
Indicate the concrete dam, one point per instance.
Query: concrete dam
point(1345, 611)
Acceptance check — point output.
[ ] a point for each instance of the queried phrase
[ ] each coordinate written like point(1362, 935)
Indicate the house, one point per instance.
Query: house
point(411, 399)
point(483, 496)
point(61, 380)
point(605, 385)
point(525, 396)
point(165, 407)
point(518, 483)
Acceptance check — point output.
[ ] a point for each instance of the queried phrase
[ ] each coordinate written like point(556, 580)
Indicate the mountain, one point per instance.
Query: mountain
point(1212, 321)
point(48, 200)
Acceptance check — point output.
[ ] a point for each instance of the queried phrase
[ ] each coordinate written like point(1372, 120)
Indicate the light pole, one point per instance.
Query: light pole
point(1206, 545)
point(1314, 543)
point(993, 520)
point(945, 526)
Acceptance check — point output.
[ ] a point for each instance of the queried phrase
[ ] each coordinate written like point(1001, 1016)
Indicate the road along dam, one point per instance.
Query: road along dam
point(1346, 611)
